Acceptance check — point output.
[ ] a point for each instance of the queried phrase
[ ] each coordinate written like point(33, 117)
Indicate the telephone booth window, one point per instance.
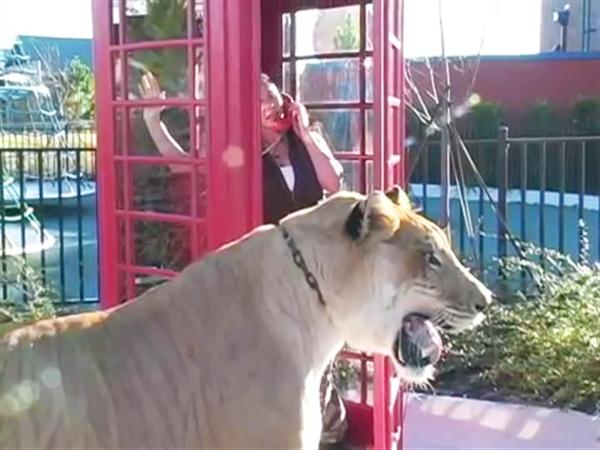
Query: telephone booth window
point(163, 193)
point(327, 64)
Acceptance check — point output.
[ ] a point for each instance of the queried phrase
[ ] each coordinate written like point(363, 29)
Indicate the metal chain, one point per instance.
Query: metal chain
point(299, 261)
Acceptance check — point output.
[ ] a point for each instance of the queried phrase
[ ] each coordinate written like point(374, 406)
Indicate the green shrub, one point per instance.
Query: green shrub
point(585, 116)
point(346, 374)
point(543, 120)
point(542, 345)
point(35, 300)
point(485, 118)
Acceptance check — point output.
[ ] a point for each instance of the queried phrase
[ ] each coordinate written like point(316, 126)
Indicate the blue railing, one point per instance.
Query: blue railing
point(537, 190)
point(48, 212)
point(540, 190)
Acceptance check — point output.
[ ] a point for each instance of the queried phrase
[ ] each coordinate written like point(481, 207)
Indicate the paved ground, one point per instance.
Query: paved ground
point(436, 423)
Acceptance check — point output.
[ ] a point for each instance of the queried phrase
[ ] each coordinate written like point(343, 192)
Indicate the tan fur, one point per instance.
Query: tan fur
point(230, 353)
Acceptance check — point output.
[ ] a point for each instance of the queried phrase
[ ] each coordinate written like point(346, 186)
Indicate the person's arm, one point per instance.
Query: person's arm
point(165, 143)
point(329, 170)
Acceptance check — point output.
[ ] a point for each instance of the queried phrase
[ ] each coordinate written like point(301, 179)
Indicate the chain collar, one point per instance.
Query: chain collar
point(301, 263)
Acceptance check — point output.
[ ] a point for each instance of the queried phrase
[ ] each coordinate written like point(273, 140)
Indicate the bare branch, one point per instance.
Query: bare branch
point(432, 75)
point(413, 88)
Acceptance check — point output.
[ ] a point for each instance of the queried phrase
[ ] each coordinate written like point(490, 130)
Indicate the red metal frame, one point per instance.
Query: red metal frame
point(389, 150)
point(232, 29)
point(107, 225)
point(378, 426)
point(234, 200)
point(361, 55)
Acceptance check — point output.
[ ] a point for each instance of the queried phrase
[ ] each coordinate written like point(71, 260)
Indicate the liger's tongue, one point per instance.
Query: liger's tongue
point(421, 343)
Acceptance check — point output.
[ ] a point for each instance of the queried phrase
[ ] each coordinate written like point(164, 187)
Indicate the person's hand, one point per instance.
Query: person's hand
point(150, 90)
point(300, 121)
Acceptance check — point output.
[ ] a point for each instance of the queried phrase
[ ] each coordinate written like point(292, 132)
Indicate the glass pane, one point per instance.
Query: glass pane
point(286, 23)
point(117, 77)
point(119, 122)
point(200, 144)
point(333, 80)
point(144, 21)
point(150, 20)
point(145, 282)
point(158, 189)
point(370, 177)
point(124, 286)
point(351, 179)
point(202, 233)
point(198, 25)
point(120, 187)
point(115, 19)
point(369, 119)
point(199, 75)
point(331, 30)
point(147, 137)
point(287, 77)
point(162, 245)
point(166, 71)
point(201, 194)
point(369, 79)
point(124, 235)
point(370, 26)
point(342, 127)
point(352, 382)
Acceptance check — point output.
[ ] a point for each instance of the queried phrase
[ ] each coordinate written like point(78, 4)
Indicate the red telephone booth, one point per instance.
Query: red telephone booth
point(160, 209)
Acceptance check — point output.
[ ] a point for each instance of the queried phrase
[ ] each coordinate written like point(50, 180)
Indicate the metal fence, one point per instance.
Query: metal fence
point(542, 190)
point(48, 214)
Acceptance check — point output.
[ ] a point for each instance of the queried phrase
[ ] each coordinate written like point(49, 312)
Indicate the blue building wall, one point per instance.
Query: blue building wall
point(68, 48)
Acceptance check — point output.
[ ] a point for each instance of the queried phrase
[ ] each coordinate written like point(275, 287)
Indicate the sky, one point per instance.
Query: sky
point(56, 18)
point(498, 26)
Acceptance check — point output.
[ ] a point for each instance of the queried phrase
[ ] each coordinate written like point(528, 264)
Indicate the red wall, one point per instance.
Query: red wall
point(517, 82)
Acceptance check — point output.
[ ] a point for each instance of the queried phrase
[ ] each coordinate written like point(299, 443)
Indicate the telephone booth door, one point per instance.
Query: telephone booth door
point(174, 79)
point(343, 59)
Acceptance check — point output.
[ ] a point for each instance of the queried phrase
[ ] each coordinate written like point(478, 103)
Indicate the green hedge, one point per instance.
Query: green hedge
point(35, 300)
point(541, 346)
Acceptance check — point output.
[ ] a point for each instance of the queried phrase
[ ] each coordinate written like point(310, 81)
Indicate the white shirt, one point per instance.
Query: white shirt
point(288, 174)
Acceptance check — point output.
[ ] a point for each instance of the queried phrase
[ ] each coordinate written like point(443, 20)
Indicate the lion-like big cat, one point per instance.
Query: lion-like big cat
point(230, 353)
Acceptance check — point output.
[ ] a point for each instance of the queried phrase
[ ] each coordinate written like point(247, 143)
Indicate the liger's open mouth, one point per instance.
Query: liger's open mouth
point(418, 344)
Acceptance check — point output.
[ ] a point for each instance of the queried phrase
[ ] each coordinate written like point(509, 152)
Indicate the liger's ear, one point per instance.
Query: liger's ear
point(397, 195)
point(377, 217)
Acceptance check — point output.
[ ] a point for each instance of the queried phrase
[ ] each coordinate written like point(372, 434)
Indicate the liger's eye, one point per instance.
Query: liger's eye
point(432, 260)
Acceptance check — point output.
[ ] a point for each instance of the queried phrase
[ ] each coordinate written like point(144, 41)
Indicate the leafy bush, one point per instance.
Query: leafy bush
point(543, 120)
point(164, 19)
point(543, 345)
point(24, 282)
point(347, 36)
point(485, 118)
point(346, 374)
point(585, 116)
point(79, 100)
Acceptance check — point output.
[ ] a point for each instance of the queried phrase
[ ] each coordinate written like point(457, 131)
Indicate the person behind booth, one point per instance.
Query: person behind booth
point(298, 170)
point(298, 164)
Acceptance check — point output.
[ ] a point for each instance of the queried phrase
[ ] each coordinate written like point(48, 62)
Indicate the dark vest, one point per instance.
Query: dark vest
point(278, 200)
